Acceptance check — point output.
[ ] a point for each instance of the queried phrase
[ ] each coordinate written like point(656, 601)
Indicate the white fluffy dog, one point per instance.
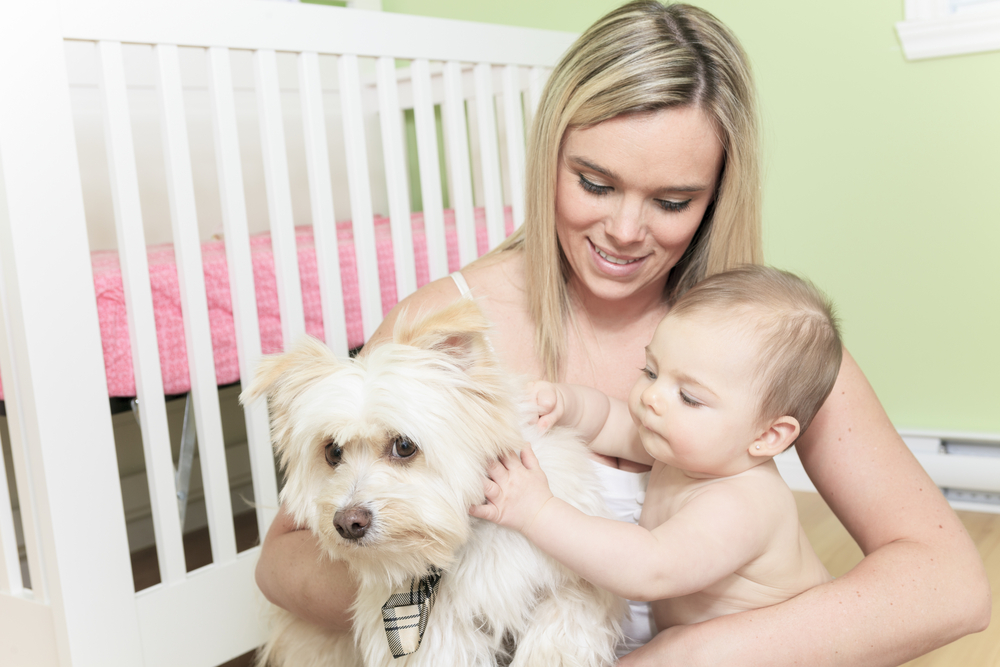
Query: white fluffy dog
point(383, 456)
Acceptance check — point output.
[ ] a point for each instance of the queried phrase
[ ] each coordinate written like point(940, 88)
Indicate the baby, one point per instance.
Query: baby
point(734, 374)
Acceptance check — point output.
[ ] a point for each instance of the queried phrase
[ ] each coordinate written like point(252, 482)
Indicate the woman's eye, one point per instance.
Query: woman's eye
point(403, 448)
point(594, 187)
point(333, 454)
point(687, 399)
point(673, 206)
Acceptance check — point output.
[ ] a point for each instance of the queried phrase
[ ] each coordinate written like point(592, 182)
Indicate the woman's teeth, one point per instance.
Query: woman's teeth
point(614, 260)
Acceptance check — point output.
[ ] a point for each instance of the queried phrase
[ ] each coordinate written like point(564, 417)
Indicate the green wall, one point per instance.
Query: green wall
point(880, 185)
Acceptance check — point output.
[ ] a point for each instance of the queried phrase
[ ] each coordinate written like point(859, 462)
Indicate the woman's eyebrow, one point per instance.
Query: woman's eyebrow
point(583, 162)
point(604, 171)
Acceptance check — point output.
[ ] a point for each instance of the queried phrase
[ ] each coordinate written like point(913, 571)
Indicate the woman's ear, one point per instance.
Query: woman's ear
point(776, 438)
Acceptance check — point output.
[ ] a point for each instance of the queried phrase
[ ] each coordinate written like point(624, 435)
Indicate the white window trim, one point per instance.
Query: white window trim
point(932, 29)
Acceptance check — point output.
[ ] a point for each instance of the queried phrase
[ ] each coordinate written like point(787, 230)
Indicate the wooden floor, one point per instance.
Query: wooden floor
point(831, 541)
point(839, 553)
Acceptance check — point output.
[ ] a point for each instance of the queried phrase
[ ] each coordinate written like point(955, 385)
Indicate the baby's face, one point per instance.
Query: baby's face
point(694, 403)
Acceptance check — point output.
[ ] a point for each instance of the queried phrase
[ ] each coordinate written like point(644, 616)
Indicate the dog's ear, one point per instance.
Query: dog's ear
point(459, 331)
point(283, 376)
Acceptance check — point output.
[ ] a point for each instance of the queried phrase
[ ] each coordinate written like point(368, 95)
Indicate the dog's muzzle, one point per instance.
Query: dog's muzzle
point(352, 523)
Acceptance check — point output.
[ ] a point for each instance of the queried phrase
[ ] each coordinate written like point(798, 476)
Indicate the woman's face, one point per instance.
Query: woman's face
point(630, 194)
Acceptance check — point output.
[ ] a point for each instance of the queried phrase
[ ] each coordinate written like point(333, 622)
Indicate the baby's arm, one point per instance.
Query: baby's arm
point(714, 535)
point(605, 423)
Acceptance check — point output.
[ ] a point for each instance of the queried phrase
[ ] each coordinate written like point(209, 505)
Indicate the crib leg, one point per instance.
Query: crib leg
point(188, 439)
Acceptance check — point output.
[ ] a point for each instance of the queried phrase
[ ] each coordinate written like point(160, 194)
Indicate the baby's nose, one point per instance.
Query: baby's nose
point(352, 523)
point(651, 399)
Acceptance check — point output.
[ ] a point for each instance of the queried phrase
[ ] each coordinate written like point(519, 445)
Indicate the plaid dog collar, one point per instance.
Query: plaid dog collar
point(405, 613)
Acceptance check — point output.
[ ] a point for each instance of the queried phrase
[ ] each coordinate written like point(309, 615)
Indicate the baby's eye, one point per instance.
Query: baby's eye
point(594, 188)
point(688, 400)
point(648, 373)
point(673, 206)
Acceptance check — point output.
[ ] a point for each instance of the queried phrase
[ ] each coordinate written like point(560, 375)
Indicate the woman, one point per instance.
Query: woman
point(643, 173)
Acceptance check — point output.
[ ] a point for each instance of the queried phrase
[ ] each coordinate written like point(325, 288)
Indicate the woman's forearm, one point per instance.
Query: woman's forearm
point(294, 575)
point(876, 615)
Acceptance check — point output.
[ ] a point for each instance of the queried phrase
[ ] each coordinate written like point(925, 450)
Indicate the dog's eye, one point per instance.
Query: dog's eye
point(333, 453)
point(403, 448)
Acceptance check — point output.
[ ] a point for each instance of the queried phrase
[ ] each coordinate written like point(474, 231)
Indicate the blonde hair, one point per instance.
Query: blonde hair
point(642, 57)
point(797, 337)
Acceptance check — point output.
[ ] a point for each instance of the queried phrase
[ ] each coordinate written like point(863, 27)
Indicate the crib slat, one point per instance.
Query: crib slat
point(139, 306)
point(458, 158)
point(360, 188)
point(321, 198)
point(537, 77)
point(279, 197)
point(430, 169)
point(397, 186)
point(515, 139)
point(244, 301)
point(54, 380)
point(490, 154)
point(187, 251)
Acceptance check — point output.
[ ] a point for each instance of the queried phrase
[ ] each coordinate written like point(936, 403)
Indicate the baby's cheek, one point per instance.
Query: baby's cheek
point(635, 400)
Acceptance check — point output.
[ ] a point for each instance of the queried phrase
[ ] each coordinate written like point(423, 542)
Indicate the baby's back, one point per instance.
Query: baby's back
point(786, 565)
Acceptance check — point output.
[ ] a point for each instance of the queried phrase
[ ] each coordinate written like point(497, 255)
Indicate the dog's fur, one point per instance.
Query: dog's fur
point(438, 385)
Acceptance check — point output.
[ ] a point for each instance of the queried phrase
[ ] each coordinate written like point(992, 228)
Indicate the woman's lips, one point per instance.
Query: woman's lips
point(614, 264)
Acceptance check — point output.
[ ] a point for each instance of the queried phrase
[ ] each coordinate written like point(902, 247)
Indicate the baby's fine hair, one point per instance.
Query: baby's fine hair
point(793, 325)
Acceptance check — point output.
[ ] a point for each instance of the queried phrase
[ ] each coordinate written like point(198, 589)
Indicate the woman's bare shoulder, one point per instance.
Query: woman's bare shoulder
point(432, 296)
point(493, 280)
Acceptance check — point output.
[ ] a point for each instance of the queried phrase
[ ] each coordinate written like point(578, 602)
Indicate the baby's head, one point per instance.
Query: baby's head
point(796, 335)
point(756, 347)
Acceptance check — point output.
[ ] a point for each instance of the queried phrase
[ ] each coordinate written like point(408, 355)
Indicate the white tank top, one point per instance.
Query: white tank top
point(624, 493)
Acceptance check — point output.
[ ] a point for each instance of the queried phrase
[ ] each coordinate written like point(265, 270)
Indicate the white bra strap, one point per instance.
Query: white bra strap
point(463, 287)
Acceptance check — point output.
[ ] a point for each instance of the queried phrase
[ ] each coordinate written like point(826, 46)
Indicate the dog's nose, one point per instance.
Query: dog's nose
point(352, 523)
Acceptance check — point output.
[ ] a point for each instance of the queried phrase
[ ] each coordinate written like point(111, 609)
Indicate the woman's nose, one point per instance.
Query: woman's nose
point(625, 225)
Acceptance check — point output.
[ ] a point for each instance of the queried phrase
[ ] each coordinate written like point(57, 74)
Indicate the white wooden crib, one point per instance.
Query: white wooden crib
point(351, 70)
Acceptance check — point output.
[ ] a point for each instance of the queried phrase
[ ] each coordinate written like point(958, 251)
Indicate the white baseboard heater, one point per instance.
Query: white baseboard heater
point(965, 466)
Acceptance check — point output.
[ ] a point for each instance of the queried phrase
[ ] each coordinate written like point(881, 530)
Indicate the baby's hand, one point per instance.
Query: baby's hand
point(515, 491)
point(548, 402)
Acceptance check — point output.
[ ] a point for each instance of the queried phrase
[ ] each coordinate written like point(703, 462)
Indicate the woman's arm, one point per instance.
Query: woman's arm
point(292, 574)
point(921, 584)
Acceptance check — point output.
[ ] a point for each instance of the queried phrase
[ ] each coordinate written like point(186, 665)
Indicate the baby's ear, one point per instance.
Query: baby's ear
point(458, 331)
point(776, 438)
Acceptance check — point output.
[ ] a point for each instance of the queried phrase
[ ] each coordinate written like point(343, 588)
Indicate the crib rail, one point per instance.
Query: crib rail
point(357, 75)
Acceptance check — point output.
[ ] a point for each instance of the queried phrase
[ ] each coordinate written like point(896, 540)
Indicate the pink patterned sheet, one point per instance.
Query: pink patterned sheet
point(167, 304)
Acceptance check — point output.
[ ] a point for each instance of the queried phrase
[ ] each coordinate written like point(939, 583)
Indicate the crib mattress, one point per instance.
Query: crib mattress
point(113, 318)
